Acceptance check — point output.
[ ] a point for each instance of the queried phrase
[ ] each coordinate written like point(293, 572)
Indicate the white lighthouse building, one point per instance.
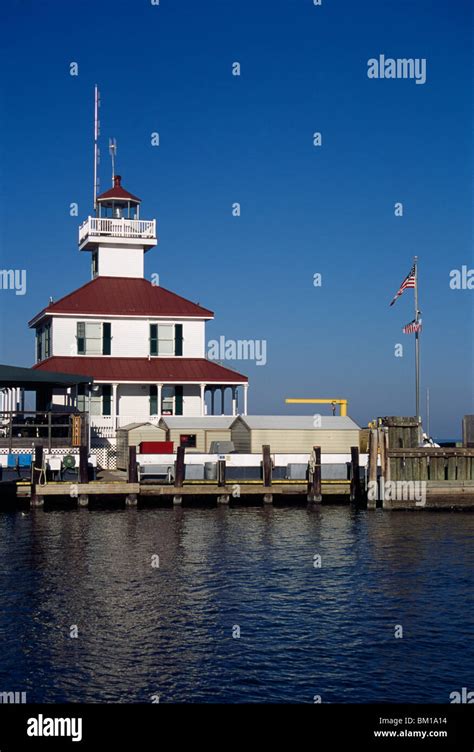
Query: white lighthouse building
point(144, 346)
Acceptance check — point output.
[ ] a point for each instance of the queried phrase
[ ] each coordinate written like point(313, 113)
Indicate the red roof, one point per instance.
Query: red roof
point(125, 296)
point(117, 192)
point(175, 370)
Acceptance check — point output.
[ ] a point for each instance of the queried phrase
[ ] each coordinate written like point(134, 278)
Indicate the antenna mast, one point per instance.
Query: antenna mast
point(96, 140)
point(113, 154)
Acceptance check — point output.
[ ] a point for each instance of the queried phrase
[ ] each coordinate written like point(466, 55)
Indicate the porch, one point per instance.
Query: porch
point(116, 405)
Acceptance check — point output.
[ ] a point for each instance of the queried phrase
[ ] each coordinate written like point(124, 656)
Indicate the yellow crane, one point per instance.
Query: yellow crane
point(307, 401)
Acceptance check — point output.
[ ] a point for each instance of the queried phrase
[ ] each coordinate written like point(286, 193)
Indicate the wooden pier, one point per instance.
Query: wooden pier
point(397, 478)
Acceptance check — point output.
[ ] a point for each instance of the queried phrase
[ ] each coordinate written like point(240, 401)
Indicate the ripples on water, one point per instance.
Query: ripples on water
point(305, 631)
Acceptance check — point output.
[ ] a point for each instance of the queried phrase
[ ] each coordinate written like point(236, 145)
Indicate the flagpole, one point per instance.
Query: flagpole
point(417, 352)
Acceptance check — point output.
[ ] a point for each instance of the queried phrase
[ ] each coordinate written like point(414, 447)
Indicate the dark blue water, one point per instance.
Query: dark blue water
point(304, 631)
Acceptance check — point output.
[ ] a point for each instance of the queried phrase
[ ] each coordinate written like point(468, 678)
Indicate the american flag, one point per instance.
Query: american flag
point(409, 281)
point(413, 327)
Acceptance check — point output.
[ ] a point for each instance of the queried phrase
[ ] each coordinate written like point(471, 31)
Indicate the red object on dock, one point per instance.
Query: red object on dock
point(156, 447)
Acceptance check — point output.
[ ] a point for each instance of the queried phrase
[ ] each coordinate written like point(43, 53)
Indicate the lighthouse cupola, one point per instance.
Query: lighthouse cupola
point(117, 203)
point(116, 236)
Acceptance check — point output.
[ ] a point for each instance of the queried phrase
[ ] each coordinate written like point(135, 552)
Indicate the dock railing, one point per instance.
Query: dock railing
point(23, 429)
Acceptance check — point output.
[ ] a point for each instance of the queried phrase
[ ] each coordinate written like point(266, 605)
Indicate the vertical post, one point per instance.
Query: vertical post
point(267, 465)
point(386, 468)
point(373, 456)
point(36, 498)
point(49, 431)
point(203, 399)
point(355, 476)
point(131, 499)
point(234, 400)
point(159, 393)
point(246, 389)
point(180, 467)
point(381, 449)
point(132, 465)
point(314, 475)
point(83, 465)
point(222, 400)
point(417, 353)
point(213, 394)
point(115, 405)
point(221, 473)
point(10, 435)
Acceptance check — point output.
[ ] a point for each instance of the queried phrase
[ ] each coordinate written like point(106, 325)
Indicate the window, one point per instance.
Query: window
point(43, 342)
point(167, 400)
point(166, 339)
point(95, 264)
point(93, 338)
point(188, 440)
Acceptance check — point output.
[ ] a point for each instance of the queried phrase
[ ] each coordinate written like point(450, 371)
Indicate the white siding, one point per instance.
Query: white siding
point(191, 400)
point(120, 262)
point(295, 441)
point(130, 337)
point(134, 402)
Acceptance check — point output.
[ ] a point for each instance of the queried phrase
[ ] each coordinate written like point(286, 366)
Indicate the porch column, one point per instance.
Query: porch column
point(22, 400)
point(222, 399)
point(159, 391)
point(246, 389)
point(9, 400)
point(213, 394)
point(234, 400)
point(115, 405)
point(203, 387)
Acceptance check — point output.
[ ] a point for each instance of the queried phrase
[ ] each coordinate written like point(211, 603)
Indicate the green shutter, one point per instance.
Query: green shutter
point(47, 341)
point(106, 399)
point(153, 339)
point(153, 399)
point(81, 338)
point(178, 400)
point(106, 338)
point(178, 339)
point(38, 345)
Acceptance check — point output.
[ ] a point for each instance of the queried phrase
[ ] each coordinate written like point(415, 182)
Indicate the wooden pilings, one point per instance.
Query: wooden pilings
point(267, 472)
point(131, 499)
point(314, 476)
point(180, 470)
point(37, 499)
point(83, 499)
point(356, 491)
point(221, 473)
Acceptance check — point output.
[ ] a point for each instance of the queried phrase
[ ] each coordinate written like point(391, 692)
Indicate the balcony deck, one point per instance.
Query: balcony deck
point(93, 230)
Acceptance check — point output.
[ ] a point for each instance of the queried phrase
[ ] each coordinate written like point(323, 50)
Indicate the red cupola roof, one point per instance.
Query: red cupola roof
point(117, 192)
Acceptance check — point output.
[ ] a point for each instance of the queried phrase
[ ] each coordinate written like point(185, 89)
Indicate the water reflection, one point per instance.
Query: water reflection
point(305, 630)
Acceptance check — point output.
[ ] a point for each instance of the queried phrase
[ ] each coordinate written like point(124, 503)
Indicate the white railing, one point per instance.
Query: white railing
point(117, 228)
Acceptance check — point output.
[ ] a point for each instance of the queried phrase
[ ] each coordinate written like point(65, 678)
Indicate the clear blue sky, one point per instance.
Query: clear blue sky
point(249, 139)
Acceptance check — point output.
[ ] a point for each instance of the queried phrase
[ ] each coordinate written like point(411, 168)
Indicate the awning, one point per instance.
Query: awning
point(31, 379)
